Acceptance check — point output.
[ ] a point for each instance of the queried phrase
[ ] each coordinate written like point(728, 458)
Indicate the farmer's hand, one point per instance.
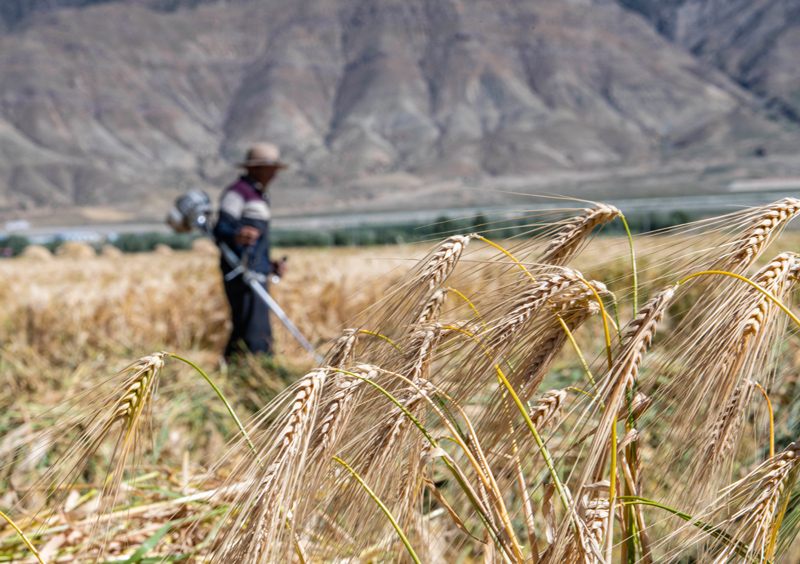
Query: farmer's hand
point(279, 267)
point(247, 235)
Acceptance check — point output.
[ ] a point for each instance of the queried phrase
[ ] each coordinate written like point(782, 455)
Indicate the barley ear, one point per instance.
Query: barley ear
point(567, 241)
point(755, 238)
point(443, 261)
point(343, 350)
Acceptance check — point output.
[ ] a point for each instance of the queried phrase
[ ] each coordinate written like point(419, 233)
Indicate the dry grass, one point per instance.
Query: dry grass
point(490, 404)
point(69, 310)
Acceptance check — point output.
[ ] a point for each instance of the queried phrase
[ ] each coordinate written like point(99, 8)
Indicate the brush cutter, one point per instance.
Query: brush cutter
point(192, 211)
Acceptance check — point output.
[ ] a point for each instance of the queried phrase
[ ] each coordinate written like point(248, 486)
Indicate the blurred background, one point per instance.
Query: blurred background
point(393, 114)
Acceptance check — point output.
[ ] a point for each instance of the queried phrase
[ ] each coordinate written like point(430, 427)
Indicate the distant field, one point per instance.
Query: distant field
point(70, 309)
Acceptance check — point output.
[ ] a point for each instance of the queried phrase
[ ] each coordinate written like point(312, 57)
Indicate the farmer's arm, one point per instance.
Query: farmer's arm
point(230, 228)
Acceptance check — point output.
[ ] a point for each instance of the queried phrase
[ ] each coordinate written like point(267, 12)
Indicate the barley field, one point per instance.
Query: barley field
point(561, 397)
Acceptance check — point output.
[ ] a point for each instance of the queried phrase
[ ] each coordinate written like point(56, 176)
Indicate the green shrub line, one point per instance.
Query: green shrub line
point(365, 235)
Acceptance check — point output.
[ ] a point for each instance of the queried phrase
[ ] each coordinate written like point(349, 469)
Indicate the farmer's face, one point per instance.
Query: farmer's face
point(263, 174)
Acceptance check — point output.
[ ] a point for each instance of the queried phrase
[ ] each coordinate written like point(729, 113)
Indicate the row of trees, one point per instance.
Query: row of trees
point(361, 236)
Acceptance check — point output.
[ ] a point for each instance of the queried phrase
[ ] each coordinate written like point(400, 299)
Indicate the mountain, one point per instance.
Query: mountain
point(15, 12)
point(755, 42)
point(375, 103)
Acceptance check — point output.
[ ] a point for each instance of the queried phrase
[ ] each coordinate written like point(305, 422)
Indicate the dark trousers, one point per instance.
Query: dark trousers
point(250, 315)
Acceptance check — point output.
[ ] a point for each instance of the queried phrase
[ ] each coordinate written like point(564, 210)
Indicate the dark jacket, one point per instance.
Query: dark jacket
point(242, 204)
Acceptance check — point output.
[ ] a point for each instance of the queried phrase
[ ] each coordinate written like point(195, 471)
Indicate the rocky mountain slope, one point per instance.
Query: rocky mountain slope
point(105, 102)
point(755, 42)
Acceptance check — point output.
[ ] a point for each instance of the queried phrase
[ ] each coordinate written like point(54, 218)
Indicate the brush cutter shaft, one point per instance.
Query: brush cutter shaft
point(253, 281)
point(262, 293)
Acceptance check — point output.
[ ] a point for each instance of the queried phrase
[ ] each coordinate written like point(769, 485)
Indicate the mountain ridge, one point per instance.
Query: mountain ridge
point(755, 42)
point(105, 103)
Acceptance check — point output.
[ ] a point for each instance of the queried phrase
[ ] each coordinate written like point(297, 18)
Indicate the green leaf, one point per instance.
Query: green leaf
point(150, 543)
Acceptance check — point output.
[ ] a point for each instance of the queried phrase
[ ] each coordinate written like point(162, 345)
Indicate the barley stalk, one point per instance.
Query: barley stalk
point(443, 261)
point(307, 393)
point(338, 408)
point(432, 308)
point(568, 239)
point(424, 341)
point(260, 507)
point(24, 538)
point(531, 301)
point(386, 511)
point(136, 391)
point(584, 545)
point(392, 431)
point(577, 305)
point(341, 354)
point(773, 278)
point(622, 377)
point(642, 329)
point(724, 434)
point(756, 522)
point(755, 238)
point(547, 408)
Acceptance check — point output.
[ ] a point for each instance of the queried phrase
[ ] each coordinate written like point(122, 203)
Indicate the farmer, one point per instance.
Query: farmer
point(243, 225)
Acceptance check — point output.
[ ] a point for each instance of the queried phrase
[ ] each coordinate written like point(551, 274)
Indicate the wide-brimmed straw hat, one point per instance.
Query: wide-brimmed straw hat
point(263, 154)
